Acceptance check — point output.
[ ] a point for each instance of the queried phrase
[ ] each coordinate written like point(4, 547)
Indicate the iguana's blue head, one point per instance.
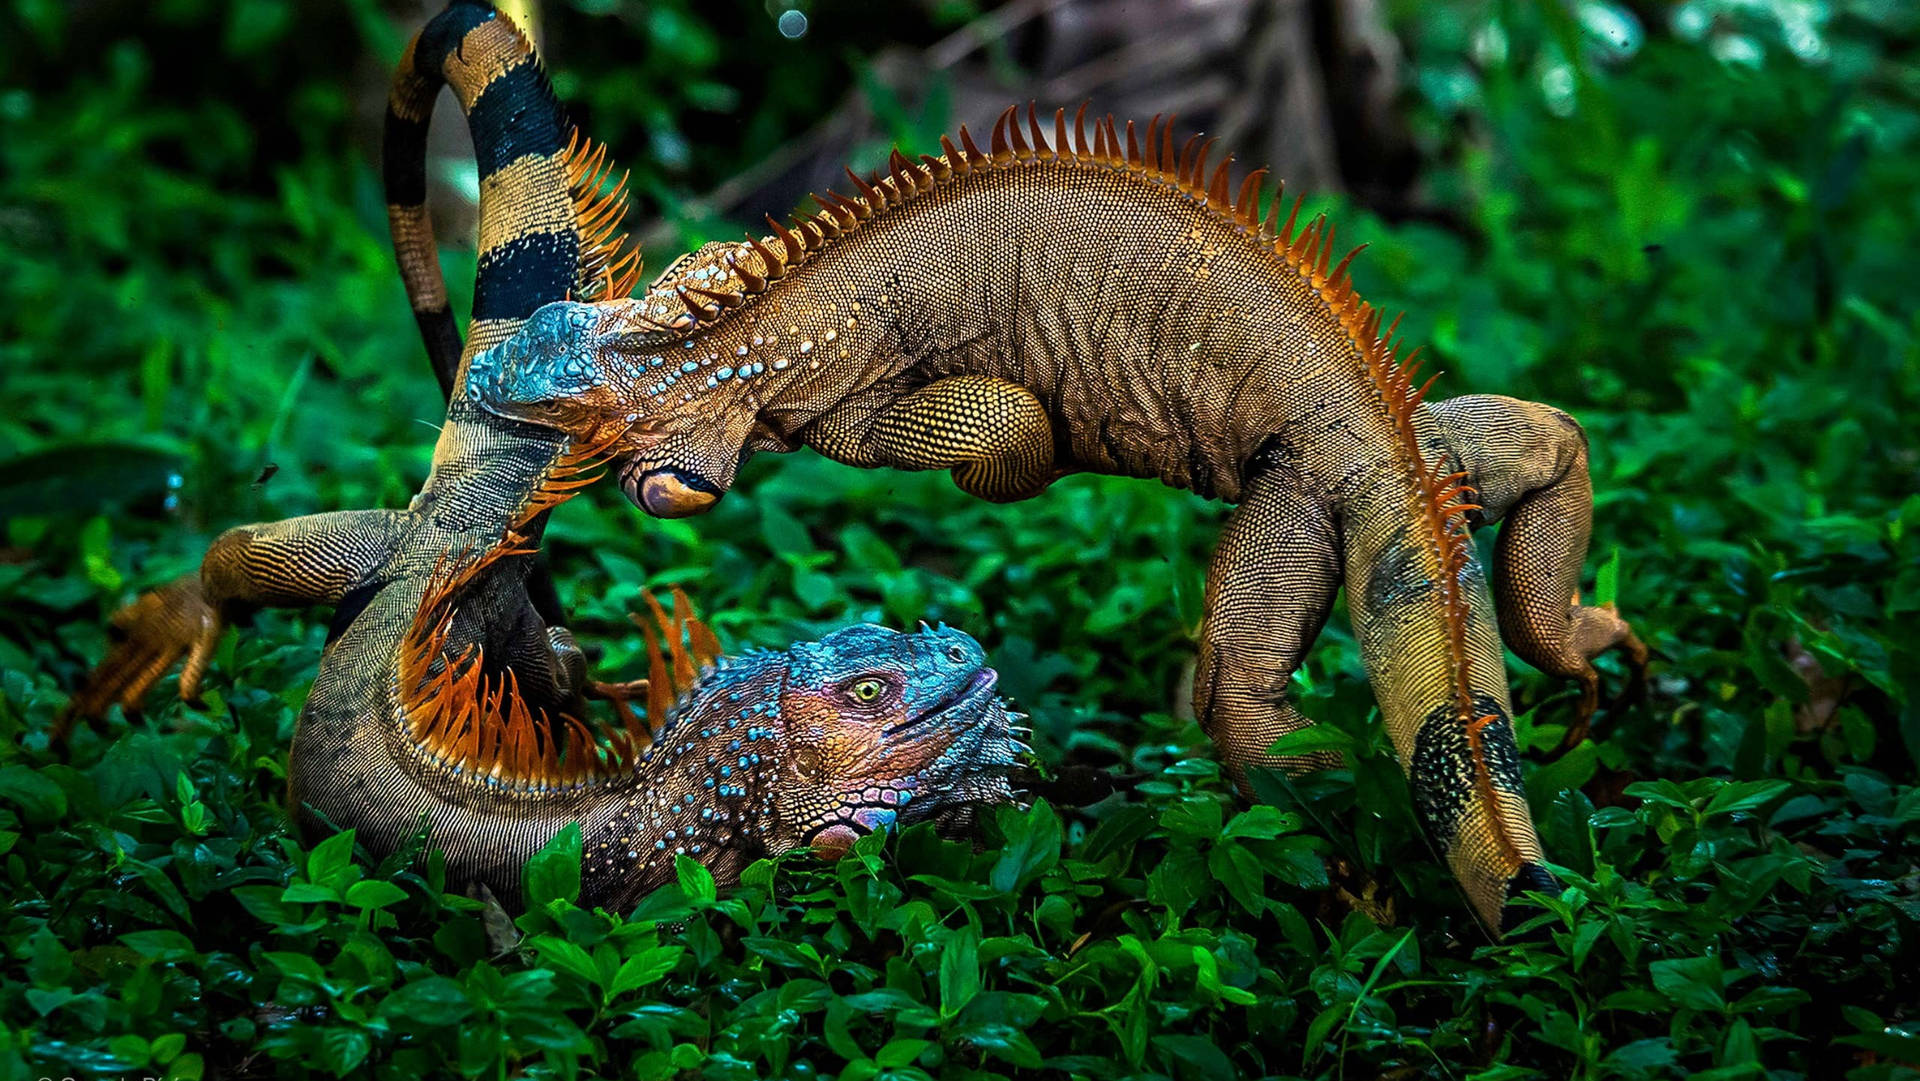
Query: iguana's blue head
point(556, 371)
point(828, 740)
point(883, 726)
point(600, 373)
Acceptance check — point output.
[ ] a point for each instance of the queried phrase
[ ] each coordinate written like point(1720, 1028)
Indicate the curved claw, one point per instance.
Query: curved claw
point(1637, 656)
point(155, 631)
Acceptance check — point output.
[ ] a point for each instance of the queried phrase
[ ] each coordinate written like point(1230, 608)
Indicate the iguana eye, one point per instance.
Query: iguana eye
point(957, 654)
point(867, 690)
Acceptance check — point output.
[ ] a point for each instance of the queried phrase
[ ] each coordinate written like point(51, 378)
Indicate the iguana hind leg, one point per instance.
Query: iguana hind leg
point(994, 435)
point(1273, 580)
point(1528, 464)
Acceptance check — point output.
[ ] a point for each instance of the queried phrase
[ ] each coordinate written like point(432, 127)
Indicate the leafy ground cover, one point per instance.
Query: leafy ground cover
point(1695, 234)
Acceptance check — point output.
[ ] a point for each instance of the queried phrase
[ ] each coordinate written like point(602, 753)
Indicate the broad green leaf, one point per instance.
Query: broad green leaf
point(553, 873)
point(330, 863)
point(373, 893)
point(696, 882)
point(959, 971)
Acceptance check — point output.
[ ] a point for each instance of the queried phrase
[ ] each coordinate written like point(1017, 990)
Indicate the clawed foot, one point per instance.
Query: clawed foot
point(154, 632)
point(1597, 631)
point(622, 695)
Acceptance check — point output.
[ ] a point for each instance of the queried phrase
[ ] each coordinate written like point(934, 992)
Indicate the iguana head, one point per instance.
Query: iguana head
point(885, 727)
point(812, 747)
point(612, 378)
point(558, 371)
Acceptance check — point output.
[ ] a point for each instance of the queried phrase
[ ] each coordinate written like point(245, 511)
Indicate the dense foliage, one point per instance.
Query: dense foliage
point(1697, 236)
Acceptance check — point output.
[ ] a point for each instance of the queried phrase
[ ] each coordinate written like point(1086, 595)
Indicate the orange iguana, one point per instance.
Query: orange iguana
point(1105, 301)
point(1084, 303)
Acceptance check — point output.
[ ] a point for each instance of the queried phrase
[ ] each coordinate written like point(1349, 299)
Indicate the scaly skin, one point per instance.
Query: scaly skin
point(1092, 306)
point(447, 697)
point(547, 230)
point(1056, 306)
point(444, 700)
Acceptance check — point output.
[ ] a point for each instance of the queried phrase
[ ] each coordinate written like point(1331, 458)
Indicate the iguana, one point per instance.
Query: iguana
point(1109, 303)
point(443, 699)
point(446, 697)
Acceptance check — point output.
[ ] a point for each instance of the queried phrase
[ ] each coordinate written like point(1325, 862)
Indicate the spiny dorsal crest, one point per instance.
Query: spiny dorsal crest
point(680, 650)
point(702, 287)
point(462, 716)
point(604, 271)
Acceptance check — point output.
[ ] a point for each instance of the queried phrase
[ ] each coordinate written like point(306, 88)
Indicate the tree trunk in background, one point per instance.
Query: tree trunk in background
point(1308, 87)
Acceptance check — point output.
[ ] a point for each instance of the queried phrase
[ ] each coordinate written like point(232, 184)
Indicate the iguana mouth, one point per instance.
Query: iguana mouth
point(968, 697)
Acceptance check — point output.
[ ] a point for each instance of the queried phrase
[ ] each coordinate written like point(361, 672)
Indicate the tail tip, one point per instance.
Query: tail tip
point(1531, 877)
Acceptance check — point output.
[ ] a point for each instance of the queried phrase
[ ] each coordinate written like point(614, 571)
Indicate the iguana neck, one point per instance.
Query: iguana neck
point(484, 469)
point(704, 789)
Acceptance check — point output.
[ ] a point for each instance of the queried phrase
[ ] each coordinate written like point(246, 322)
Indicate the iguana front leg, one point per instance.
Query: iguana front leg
point(317, 559)
point(1271, 585)
point(1527, 463)
point(994, 435)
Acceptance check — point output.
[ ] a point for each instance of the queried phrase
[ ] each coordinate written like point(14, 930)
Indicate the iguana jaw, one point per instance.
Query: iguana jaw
point(666, 492)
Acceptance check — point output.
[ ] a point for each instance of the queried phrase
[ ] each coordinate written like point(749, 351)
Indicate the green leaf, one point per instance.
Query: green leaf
point(1606, 583)
point(267, 905)
point(1239, 871)
point(900, 1052)
point(167, 1047)
point(1030, 849)
point(1198, 817)
point(959, 971)
point(1745, 795)
point(373, 893)
point(553, 873)
point(1178, 880)
point(434, 1001)
point(330, 863)
point(1262, 822)
point(37, 796)
point(307, 893)
point(1695, 983)
point(558, 953)
point(343, 1049)
point(645, 967)
point(1194, 1056)
point(160, 945)
point(696, 882)
point(1119, 831)
point(1319, 737)
point(297, 966)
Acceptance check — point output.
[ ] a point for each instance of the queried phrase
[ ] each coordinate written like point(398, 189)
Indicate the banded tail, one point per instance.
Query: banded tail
point(548, 230)
point(1420, 605)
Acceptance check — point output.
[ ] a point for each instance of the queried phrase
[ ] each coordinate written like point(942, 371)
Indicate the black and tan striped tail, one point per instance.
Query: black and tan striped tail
point(548, 230)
